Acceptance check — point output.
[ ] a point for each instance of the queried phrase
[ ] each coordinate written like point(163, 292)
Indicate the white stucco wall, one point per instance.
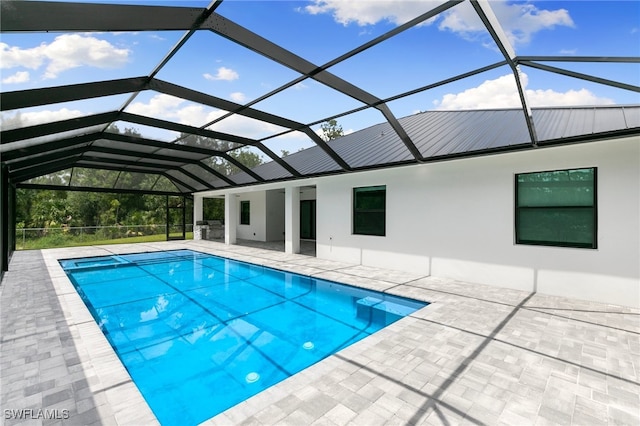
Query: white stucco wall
point(456, 219)
point(275, 215)
point(256, 230)
point(307, 193)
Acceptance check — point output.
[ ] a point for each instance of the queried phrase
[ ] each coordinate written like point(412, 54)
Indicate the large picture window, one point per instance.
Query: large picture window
point(369, 210)
point(245, 212)
point(557, 208)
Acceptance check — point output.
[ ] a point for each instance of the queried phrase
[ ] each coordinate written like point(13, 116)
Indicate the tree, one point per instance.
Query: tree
point(213, 209)
point(52, 208)
point(331, 130)
point(42, 208)
point(242, 154)
point(244, 157)
point(286, 152)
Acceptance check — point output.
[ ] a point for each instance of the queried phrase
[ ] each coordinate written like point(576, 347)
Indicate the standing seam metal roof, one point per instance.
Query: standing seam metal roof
point(441, 134)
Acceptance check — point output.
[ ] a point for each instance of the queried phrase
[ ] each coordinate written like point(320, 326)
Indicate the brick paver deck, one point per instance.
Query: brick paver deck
point(475, 355)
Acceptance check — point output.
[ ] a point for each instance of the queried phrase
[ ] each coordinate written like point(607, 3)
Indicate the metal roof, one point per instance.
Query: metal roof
point(73, 148)
point(450, 134)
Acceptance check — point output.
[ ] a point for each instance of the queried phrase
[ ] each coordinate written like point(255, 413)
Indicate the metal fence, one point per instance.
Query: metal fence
point(27, 238)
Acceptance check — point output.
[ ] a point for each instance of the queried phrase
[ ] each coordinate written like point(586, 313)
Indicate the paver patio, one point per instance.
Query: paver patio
point(476, 355)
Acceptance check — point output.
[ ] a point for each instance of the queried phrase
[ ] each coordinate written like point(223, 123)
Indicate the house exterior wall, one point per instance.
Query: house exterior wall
point(256, 230)
point(267, 213)
point(275, 215)
point(455, 219)
point(307, 194)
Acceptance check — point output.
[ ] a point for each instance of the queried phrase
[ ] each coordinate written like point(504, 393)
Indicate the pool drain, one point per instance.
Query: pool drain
point(252, 377)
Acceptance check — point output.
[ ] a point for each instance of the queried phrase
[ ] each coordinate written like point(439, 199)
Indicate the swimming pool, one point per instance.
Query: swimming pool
point(200, 333)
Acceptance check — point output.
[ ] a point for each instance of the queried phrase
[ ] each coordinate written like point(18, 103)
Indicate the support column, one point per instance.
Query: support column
point(198, 210)
point(197, 216)
point(230, 218)
point(4, 219)
point(292, 220)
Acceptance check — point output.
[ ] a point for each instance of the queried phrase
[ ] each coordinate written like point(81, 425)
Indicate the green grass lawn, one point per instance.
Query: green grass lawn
point(58, 241)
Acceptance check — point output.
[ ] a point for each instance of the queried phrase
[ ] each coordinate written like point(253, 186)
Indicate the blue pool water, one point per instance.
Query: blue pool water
point(199, 333)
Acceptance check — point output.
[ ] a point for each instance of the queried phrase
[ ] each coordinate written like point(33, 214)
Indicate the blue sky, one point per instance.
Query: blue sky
point(320, 30)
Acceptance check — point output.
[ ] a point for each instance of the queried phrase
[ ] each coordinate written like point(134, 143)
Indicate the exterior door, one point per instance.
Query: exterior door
point(308, 219)
point(176, 218)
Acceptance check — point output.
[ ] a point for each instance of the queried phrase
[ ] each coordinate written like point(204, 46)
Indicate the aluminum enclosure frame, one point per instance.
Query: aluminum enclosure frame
point(33, 151)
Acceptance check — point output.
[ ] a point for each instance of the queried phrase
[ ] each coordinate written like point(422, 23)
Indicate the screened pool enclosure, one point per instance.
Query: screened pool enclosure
point(145, 98)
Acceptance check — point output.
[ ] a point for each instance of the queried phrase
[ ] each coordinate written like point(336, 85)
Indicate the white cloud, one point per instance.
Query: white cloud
point(159, 106)
point(502, 93)
point(172, 108)
point(550, 97)
point(19, 77)
point(519, 20)
point(498, 93)
point(47, 116)
point(24, 119)
point(524, 20)
point(67, 51)
point(197, 115)
point(371, 12)
point(13, 56)
point(238, 97)
point(244, 126)
point(224, 73)
point(115, 33)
